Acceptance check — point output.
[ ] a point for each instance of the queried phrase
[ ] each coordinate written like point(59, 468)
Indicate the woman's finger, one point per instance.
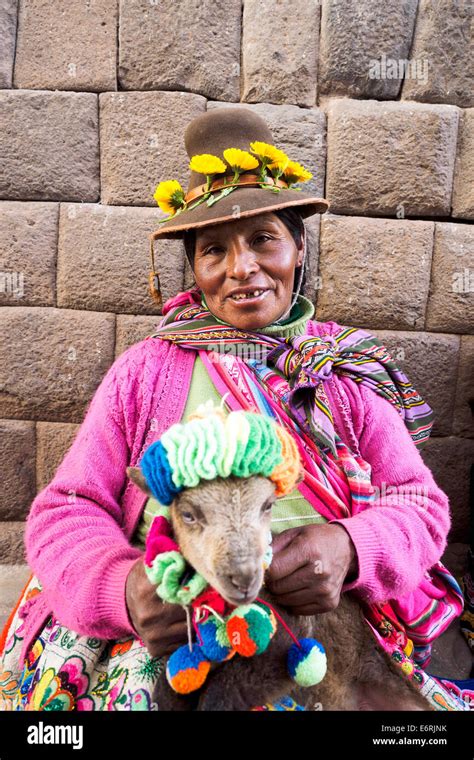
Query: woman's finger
point(300, 598)
point(286, 562)
point(289, 583)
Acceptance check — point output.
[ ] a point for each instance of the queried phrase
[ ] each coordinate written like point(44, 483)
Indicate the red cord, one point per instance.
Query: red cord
point(287, 629)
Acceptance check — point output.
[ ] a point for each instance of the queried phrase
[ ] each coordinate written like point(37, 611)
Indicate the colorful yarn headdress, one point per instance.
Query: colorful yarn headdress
point(214, 444)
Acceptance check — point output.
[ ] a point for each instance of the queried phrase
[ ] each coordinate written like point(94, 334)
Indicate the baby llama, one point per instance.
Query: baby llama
point(217, 477)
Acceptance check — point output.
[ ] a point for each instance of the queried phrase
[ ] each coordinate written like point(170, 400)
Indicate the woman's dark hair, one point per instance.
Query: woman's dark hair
point(290, 217)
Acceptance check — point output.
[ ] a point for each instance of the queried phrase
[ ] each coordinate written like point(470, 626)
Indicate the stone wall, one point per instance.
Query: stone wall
point(376, 99)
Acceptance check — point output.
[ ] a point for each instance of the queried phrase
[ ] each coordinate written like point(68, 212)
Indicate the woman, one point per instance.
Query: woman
point(89, 631)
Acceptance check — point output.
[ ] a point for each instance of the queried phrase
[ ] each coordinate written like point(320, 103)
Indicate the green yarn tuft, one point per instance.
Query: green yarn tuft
point(312, 669)
point(242, 444)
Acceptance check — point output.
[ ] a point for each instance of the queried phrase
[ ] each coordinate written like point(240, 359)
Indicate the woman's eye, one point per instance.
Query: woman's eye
point(214, 251)
point(188, 517)
point(262, 238)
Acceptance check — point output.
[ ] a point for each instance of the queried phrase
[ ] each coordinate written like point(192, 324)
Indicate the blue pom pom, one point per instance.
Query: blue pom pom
point(214, 649)
point(307, 662)
point(187, 669)
point(158, 474)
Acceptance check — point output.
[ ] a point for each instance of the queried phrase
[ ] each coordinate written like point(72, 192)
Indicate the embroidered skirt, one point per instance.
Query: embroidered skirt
point(66, 671)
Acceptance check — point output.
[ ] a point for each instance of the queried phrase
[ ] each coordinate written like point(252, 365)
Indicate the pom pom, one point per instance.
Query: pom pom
point(187, 669)
point(211, 598)
point(215, 642)
point(307, 662)
point(250, 629)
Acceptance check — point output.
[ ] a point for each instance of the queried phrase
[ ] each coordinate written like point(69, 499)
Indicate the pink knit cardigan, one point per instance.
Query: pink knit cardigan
point(79, 526)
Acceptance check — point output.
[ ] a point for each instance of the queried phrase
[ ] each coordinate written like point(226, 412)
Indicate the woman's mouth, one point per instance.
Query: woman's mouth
point(250, 297)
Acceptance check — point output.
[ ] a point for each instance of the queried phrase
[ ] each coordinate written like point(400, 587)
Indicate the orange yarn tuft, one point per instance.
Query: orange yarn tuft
point(286, 475)
point(191, 679)
point(238, 633)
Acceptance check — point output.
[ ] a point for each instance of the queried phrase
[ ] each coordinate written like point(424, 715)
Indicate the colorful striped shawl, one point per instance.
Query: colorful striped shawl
point(307, 361)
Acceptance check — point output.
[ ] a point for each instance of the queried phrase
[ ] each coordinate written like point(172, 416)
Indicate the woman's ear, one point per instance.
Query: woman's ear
point(300, 256)
point(300, 477)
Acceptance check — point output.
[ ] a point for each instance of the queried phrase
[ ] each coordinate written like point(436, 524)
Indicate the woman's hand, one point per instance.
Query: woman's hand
point(161, 627)
point(309, 567)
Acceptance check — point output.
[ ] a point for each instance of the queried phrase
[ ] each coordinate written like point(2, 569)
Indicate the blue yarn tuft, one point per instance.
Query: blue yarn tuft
point(184, 658)
point(213, 650)
point(296, 654)
point(158, 474)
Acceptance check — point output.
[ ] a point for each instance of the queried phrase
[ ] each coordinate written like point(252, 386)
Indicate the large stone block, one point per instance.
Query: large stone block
point(12, 547)
point(464, 408)
point(193, 46)
point(390, 159)
point(363, 265)
point(443, 41)
point(429, 360)
point(463, 189)
point(312, 278)
point(104, 260)
point(57, 156)
point(132, 329)
point(12, 581)
point(53, 439)
point(451, 301)
point(300, 132)
point(8, 22)
point(17, 458)
point(450, 460)
point(51, 361)
point(66, 48)
point(142, 143)
point(280, 68)
point(28, 237)
point(360, 43)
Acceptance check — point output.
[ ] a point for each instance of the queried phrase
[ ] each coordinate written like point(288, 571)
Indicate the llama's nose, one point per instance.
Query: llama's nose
point(243, 578)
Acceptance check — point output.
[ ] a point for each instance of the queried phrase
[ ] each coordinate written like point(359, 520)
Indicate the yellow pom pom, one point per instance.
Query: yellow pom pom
point(286, 475)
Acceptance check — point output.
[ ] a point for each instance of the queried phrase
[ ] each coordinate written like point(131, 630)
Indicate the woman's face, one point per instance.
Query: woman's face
point(246, 268)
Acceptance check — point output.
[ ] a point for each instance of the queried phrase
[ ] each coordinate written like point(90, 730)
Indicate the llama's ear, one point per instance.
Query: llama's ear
point(137, 477)
point(300, 477)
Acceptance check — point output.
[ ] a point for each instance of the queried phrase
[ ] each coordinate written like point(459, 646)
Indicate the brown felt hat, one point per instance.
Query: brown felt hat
point(212, 133)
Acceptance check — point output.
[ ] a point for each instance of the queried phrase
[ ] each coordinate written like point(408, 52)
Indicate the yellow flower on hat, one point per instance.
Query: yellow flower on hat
point(240, 160)
point(169, 196)
point(294, 172)
point(206, 163)
point(268, 153)
point(272, 158)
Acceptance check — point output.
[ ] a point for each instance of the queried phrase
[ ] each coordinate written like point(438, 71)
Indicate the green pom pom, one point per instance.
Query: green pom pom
point(250, 629)
point(307, 662)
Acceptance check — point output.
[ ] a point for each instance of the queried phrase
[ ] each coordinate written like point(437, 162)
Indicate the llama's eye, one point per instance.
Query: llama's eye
point(188, 517)
point(267, 507)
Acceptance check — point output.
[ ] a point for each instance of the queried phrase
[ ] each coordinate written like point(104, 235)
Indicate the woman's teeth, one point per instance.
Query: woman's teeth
point(253, 294)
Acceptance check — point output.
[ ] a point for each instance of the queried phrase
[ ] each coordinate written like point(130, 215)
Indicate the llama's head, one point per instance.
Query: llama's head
point(220, 475)
point(222, 527)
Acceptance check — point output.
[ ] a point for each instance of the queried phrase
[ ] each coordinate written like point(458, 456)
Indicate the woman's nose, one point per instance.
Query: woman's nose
point(241, 263)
